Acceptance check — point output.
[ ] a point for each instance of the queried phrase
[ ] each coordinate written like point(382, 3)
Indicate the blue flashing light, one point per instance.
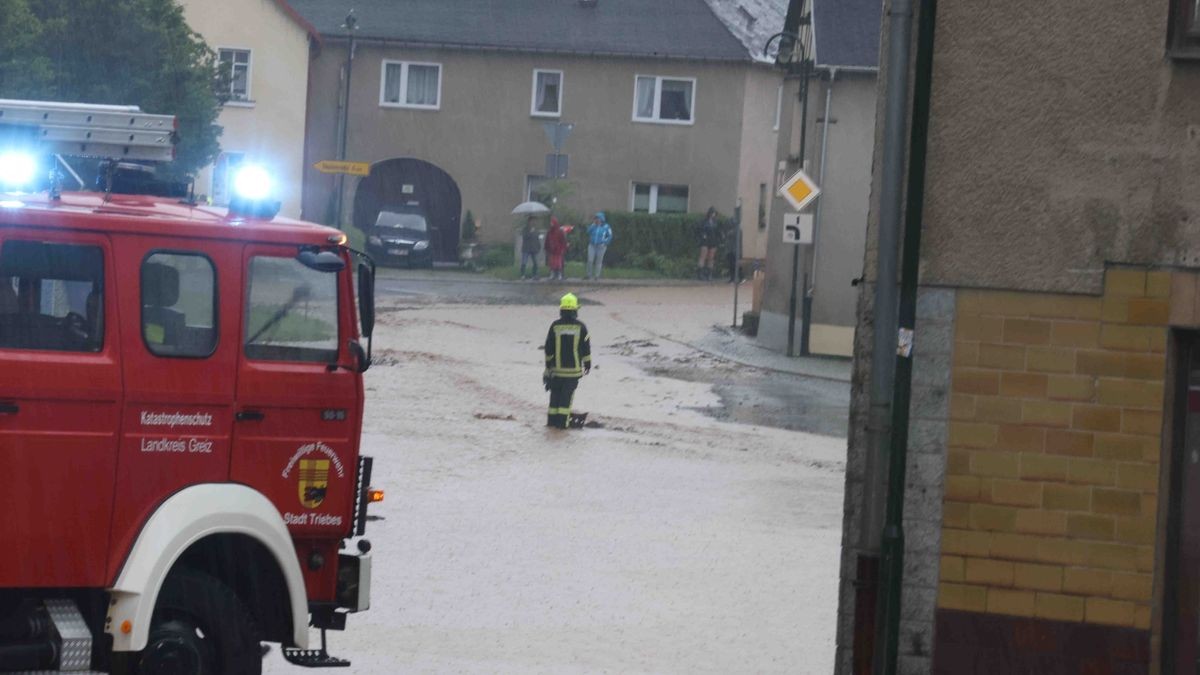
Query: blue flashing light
point(252, 183)
point(17, 170)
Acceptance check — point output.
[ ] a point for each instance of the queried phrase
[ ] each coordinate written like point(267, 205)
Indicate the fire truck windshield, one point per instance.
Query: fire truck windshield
point(292, 312)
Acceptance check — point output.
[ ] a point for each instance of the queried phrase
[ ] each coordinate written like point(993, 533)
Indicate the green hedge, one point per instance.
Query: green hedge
point(647, 240)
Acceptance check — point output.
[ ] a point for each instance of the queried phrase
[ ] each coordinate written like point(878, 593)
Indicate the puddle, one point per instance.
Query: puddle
point(773, 399)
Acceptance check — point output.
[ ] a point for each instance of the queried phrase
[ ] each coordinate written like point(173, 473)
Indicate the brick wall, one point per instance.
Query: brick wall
point(1053, 452)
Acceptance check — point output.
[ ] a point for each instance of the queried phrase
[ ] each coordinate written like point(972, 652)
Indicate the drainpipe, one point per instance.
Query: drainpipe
point(883, 353)
point(812, 267)
point(892, 562)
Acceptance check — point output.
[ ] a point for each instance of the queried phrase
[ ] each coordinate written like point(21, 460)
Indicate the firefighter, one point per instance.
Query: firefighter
point(568, 358)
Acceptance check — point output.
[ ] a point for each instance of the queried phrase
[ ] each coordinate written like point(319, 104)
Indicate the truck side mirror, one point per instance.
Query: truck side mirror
point(366, 300)
point(361, 360)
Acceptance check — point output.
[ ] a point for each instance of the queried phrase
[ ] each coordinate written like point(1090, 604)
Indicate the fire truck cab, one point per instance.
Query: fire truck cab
point(181, 402)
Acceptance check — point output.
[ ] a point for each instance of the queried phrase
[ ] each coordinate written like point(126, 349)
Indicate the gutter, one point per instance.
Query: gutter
point(459, 46)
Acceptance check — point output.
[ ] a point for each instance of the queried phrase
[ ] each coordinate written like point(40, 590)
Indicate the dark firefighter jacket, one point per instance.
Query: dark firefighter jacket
point(568, 348)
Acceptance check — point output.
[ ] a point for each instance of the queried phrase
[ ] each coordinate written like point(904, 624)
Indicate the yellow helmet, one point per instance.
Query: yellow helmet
point(569, 301)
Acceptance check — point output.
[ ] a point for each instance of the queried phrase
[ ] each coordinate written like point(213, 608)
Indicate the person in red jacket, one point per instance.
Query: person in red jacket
point(556, 249)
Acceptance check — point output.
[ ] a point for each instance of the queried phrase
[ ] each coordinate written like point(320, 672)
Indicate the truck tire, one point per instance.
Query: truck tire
point(199, 627)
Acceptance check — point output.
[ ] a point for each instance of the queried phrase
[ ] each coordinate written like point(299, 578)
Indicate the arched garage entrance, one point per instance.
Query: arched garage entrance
point(413, 182)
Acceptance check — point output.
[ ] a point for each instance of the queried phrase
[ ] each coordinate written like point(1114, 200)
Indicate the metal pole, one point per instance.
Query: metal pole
point(350, 25)
point(737, 257)
point(806, 307)
point(892, 567)
point(796, 247)
point(883, 354)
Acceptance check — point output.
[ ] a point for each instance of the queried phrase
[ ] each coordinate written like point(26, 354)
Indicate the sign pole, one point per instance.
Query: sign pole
point(350, 25)
point(796, 250)
point(737, 257)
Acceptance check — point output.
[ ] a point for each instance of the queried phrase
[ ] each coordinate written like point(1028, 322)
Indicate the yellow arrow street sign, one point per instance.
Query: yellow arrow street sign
point(352, 168)
point(799, 190)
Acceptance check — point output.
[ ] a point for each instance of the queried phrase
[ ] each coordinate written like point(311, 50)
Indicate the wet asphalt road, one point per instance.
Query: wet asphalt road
point(748, 395)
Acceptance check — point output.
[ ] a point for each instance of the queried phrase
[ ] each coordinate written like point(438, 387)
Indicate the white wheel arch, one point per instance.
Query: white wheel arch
point(184, 519)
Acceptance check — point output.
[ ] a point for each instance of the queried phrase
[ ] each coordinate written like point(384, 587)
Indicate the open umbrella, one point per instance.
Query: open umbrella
point(530, 207)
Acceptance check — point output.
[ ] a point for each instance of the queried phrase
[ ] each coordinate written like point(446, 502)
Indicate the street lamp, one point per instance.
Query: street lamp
point(793, 55)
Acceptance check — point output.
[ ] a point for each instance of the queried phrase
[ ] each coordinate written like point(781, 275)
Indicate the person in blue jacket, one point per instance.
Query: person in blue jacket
point(599, 236)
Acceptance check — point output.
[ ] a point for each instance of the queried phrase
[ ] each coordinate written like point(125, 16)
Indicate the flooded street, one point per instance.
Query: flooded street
point(693, 532)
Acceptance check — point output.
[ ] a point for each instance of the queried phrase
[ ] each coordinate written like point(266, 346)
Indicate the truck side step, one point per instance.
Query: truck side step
point(314, 658)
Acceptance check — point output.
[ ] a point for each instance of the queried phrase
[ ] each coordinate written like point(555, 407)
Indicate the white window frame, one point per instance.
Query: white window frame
point(404, 84)
point(529, 185)
point(658, 80)
point(653, 205)
point(533, 111)
point(247, 102)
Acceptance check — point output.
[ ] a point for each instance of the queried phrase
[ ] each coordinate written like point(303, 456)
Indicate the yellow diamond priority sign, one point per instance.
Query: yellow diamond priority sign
point(799, 190)
point(352, 168)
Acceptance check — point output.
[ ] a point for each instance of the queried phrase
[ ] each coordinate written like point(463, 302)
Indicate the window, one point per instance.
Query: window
point(1185, 28)
point(222, 177)
point(235, 63)
point(51, 296)
point(179, 299)
point(547, 93)
point(291, 312)
point(411, 85)
point(539, 189)
point(655, 198)
point(662, 99)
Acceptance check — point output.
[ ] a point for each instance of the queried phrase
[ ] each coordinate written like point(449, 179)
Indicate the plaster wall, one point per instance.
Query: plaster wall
point(1051, 152)
point(269, 128)
point(485, 137)
point(756, 177)
point(843, 212)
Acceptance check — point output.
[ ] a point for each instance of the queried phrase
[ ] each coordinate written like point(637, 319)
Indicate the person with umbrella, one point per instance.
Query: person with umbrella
point(531, 245)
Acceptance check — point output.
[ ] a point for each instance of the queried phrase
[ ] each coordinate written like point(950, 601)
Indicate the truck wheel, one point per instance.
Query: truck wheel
point(200, 627)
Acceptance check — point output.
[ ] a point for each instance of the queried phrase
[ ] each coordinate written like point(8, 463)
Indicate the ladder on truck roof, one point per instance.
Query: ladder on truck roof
point(89, 130)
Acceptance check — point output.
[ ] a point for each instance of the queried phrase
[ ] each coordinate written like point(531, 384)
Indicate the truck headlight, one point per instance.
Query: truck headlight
point(421, 245)
point(374, 241)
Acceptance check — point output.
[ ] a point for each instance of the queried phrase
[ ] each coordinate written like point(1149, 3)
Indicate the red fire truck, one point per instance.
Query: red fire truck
point(180, 408)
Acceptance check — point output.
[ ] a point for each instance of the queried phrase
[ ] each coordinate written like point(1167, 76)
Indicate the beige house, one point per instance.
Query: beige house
point(669, 111)
point(264, 46)
point(844, 49)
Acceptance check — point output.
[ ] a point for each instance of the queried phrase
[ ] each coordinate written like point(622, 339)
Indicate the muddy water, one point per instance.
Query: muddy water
point(772, 399)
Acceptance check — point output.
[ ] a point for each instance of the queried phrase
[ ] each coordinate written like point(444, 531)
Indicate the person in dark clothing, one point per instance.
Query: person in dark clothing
point(568, 358)
point(531, 245)
point(709, 237)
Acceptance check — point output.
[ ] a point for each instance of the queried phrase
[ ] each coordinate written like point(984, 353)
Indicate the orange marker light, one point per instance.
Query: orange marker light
point(127, 626)
point(374, 495)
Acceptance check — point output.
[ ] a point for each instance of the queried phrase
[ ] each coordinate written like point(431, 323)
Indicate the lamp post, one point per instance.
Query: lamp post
point(796, 60)
point(351, 25)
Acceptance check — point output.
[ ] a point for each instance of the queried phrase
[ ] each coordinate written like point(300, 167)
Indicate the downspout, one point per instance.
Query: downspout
point(883, 352)
point(812, 285)
point(892, 563)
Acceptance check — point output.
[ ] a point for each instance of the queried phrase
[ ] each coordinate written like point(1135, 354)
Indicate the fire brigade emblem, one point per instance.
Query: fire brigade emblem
point(314, 480)
point(312, 475)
